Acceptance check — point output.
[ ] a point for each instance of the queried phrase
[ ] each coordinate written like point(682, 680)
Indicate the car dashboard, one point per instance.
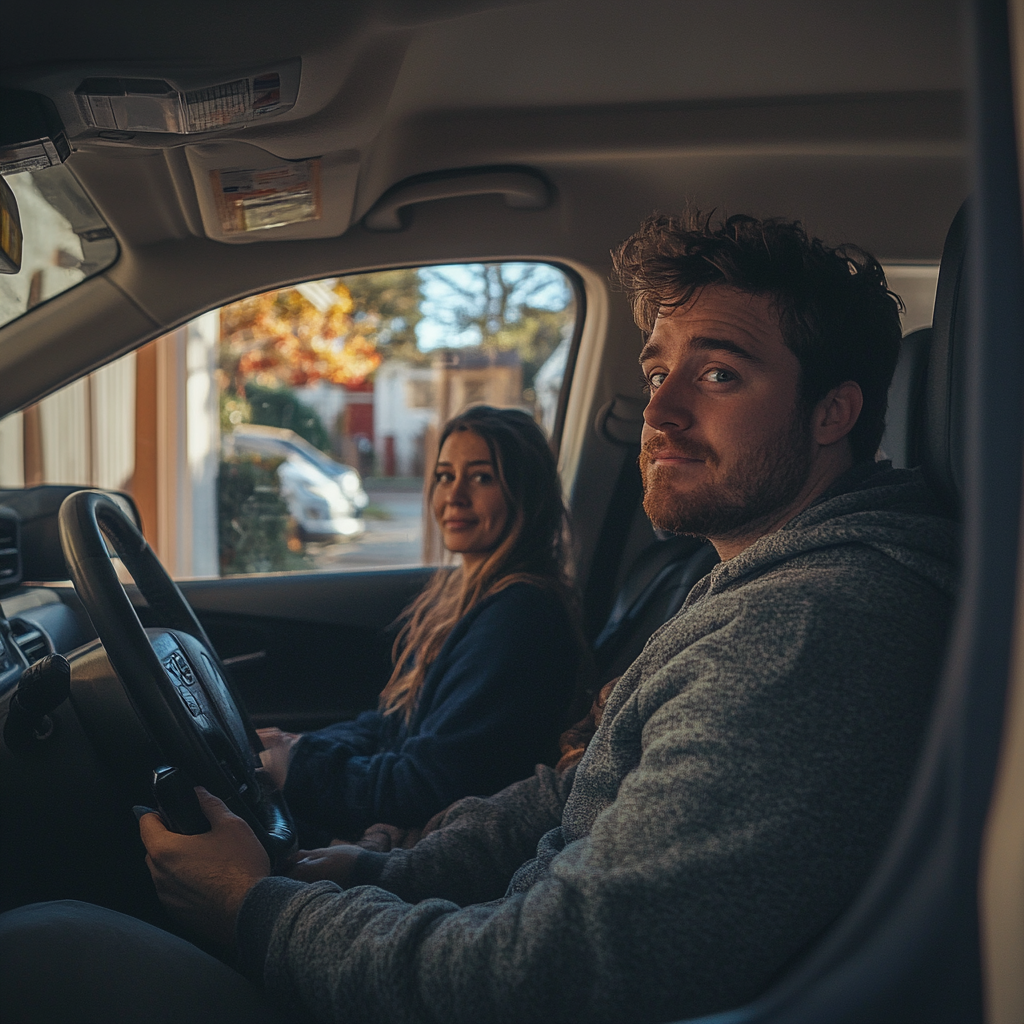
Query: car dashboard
point(42, 616)
point(36, 621)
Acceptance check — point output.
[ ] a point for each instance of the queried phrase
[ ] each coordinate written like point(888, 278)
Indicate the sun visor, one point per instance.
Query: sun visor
point(249, 195)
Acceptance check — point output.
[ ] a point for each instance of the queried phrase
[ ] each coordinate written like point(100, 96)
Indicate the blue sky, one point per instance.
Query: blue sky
point(433, 332)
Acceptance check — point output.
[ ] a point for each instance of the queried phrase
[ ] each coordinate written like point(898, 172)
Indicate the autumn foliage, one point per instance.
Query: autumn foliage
point(298, 336)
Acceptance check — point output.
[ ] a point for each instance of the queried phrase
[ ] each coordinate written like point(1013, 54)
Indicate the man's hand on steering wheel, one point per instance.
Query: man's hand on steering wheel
point(203, 879)
point(170, 673)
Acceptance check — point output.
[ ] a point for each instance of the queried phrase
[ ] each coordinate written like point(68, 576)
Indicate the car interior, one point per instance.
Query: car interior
point(474, 131)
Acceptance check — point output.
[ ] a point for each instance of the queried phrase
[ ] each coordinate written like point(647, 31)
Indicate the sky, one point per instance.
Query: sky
point(434, 332)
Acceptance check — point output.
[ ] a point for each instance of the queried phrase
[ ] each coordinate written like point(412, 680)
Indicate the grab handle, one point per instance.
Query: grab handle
point(520, 190)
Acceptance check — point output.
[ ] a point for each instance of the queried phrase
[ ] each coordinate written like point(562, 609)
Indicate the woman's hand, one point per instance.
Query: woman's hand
point(329, 864)
point(277, 753)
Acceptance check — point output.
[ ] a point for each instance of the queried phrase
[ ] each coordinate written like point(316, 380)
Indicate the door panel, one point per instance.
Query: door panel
point(305, 650)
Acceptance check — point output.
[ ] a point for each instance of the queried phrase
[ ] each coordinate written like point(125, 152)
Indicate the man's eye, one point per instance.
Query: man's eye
point(717, 376)
point(656, 379)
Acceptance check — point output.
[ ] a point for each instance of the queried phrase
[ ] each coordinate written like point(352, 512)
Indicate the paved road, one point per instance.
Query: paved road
point(387, 542)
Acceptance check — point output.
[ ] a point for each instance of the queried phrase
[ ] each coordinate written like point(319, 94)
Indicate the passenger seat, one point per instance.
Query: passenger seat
point(654, 589)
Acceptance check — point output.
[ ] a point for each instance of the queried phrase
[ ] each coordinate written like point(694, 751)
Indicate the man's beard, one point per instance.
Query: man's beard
point(763, 483)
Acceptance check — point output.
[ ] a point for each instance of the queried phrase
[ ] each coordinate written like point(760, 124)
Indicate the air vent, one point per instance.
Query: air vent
point(10, 549)
point(31, 640)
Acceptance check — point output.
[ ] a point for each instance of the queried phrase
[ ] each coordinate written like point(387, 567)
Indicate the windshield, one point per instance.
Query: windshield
point(66, 240)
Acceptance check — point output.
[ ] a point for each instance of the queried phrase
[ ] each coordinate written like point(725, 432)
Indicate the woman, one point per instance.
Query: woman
point(486, 663)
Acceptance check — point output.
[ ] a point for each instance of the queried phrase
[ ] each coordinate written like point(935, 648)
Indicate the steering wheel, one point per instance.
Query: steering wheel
point(172, 676)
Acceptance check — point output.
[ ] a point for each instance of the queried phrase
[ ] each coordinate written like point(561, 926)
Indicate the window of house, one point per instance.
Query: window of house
point(292, 430)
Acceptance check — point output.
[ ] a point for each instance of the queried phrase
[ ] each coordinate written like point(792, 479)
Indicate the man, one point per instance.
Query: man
point(749, 765)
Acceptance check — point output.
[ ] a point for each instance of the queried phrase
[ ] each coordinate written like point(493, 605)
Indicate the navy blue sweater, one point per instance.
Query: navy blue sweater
point(491, 707)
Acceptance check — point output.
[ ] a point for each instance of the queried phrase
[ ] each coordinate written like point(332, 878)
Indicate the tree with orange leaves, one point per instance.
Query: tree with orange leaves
point(297, 336)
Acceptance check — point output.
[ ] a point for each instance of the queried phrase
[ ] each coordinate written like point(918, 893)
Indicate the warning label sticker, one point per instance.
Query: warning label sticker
point(254, 199)
point(231, 103)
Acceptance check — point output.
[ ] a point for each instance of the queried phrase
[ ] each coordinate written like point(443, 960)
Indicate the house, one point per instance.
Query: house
point(412, 402)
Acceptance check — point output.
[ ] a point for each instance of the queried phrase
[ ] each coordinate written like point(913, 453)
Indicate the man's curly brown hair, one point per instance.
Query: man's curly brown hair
point(836, 313)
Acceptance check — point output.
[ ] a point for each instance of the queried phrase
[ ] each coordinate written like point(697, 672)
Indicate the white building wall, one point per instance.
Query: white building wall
point(113, 418)
point(65, 418)
point(394, 416)
point(203, 440)
point(327, 400)
point(88, 432)
point(547, 383)
point(188, 448)
point(12, 451)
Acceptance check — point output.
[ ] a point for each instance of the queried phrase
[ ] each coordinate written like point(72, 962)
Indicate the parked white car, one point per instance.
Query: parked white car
point(325, 497)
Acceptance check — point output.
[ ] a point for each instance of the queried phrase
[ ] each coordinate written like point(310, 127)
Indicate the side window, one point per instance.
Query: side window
point(915, 283)
point(293, 430)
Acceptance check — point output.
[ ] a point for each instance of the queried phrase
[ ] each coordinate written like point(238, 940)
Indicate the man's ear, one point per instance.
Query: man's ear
point(835, 415)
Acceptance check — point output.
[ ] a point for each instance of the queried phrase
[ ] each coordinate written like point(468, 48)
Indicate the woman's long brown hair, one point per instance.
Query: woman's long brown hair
point(532, 549)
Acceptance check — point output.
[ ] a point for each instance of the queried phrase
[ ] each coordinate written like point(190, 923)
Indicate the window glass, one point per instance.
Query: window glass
point(66, 240)
point(292, 430)
point(915, 284)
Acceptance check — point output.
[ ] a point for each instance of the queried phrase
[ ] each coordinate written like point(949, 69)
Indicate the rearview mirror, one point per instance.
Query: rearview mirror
point(10, 231)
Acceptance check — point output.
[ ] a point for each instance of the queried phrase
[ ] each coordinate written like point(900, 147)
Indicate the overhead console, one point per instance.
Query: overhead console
point(187, 103)
point(118, 101)
point(245, 192)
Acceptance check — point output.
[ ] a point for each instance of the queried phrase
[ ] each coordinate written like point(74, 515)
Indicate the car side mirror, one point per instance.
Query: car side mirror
point(10, 231)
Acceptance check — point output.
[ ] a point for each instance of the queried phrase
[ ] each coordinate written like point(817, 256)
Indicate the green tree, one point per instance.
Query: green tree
point(253, 524)
point(520, 306)
point(279, 407)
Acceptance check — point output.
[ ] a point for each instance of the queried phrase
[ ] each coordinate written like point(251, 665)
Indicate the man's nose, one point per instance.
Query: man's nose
point(670, 406)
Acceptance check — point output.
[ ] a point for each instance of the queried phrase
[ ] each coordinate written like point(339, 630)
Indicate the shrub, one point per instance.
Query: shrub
point(278, 407)
point(254, 529)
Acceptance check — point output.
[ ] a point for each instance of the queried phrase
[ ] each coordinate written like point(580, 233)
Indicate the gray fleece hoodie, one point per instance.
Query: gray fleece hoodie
point(747, 772)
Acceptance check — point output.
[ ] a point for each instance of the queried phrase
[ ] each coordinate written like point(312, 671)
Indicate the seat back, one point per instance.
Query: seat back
point(654, 589)
point(944, 401)
point(903, 439)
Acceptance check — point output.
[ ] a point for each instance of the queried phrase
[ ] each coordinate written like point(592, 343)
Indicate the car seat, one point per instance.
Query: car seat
point(903, 439)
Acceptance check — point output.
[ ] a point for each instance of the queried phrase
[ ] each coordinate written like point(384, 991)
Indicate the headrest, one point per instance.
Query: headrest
point(905, 415)
point(942, 448)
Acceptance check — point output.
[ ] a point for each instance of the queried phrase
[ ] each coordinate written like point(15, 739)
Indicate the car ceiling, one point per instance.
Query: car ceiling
point(849, 117)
